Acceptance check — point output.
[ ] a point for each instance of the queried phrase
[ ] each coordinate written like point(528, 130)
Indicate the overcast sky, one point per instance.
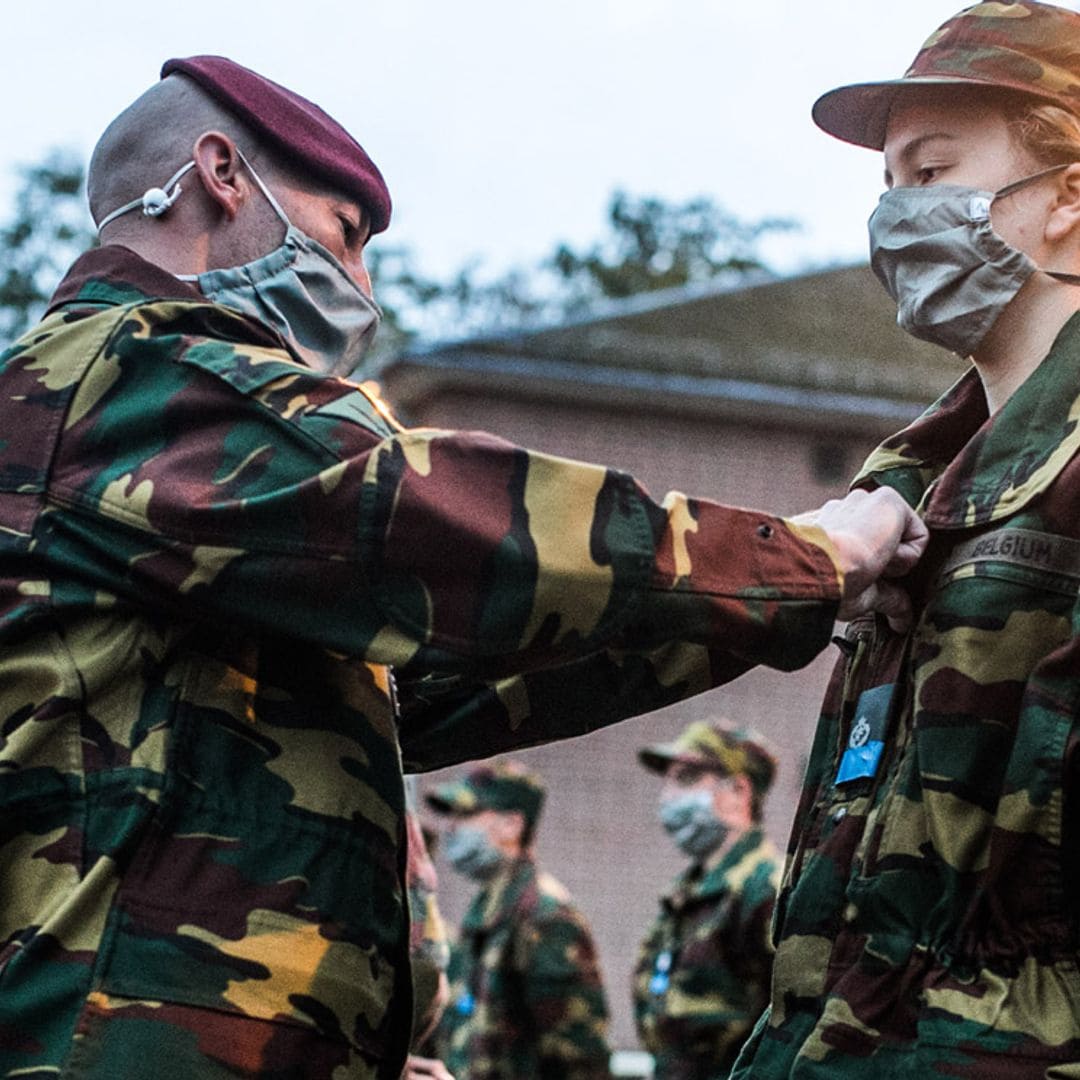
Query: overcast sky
point(503, 126)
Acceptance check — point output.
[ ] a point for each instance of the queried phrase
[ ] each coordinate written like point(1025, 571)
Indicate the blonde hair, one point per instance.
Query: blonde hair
point(1049, 133)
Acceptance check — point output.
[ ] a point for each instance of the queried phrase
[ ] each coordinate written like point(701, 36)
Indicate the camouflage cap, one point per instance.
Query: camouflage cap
point(501, 786)
point(720, 746)
point(1025, 48)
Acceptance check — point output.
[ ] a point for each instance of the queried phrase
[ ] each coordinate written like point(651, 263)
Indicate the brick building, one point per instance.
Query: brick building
point(769, 394)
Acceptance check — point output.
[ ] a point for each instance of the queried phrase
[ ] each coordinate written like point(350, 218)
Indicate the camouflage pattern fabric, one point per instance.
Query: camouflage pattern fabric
point(221, 571)
point(1024, 45)
point(702, 976)
point(498, 785)
point(526, 998)
point(1025, 49)
point(928, 919)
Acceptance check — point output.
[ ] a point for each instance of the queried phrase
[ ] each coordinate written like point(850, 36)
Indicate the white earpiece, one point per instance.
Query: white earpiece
point(155, 201)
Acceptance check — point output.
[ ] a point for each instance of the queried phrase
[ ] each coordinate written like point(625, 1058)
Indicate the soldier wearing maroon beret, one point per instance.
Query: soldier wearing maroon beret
point(236, 600)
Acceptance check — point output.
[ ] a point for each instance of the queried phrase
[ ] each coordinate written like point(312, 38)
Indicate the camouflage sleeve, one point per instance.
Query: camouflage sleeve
point(565, 996)
point(755, 928)
point(445, 719)
point(219, 480)
point(645, 1012)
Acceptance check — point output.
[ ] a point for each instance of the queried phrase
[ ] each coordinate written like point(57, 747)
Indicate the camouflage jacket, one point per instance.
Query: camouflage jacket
point(213, 558)
point(702, 975)
point(928, 918)
point(526, 998)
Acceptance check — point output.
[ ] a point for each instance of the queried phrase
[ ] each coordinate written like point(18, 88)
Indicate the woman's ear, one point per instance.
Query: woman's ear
point(218, 163)
point(1064, 220)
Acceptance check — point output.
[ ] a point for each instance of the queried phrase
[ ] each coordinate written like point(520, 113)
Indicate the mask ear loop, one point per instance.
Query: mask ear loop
point(154, 201)
point(1023, 182)
point(1016, 185)
point(265, 190)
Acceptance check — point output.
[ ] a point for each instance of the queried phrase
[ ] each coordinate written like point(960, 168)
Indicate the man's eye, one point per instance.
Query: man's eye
point(928, 173)
point(349, 229)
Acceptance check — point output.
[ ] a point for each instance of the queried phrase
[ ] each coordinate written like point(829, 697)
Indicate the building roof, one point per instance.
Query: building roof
point(817, 348)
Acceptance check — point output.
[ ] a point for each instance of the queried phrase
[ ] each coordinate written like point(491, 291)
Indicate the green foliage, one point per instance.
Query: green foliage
point(49, 227)
point(656, 245)
point(649, 244)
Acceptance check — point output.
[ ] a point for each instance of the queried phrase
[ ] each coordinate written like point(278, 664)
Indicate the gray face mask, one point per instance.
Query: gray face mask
point(300, 289)
point(470, 852)
point(936, 252)
point(689, 821)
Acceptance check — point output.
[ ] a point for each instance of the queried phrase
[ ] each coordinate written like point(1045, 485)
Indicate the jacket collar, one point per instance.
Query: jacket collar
point(695, 885)
point(497, 900)
point(113, 275)
point(962, 468)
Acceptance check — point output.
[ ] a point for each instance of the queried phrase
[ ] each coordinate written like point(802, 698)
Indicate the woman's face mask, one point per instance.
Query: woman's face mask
point(936, 252)
point(300, 289)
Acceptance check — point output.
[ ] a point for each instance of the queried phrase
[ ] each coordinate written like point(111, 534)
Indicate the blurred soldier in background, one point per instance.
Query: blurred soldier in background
point(526, 998)
point(703, 972)
point(429, 944)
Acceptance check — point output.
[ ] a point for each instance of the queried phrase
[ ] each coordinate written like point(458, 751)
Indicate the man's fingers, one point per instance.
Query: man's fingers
point(912, 545)
point(883, 599)
point(872, 532)
point(422, 1068)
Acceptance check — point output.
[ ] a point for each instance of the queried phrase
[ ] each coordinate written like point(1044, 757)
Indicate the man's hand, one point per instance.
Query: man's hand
point(875, 534)
point(421, 1068)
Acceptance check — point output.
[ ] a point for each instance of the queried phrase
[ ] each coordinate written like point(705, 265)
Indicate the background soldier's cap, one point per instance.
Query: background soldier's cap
point(502, 786)
point(1027, 48)
point(296, 128)
point(720, 746)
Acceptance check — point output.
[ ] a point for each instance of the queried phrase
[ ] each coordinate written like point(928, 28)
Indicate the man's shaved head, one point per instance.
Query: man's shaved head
point(243, 189)
point(154, 136)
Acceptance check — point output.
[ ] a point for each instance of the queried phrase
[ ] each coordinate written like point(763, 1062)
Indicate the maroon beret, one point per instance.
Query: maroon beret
point(294, 126)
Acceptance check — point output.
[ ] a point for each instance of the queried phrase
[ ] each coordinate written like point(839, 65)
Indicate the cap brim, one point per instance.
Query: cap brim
point(859, 113)
point(448, 799)
point(656, 758)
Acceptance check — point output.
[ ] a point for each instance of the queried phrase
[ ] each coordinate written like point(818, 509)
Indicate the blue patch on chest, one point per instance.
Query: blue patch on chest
point(866, 743)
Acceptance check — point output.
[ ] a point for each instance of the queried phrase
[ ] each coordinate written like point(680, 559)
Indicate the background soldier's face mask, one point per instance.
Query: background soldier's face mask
point(300, 289)
point(936, 252)
point(690, 821)
point(470, 852)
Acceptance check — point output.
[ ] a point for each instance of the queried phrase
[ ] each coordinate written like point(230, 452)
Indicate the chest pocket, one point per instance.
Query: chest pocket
point(991, 732)
point(1003, 602)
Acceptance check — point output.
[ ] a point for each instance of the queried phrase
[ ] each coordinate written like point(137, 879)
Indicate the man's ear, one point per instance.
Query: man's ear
point(1064, 220)
point(217, 161)
point(511, 827)
point(738, 786)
